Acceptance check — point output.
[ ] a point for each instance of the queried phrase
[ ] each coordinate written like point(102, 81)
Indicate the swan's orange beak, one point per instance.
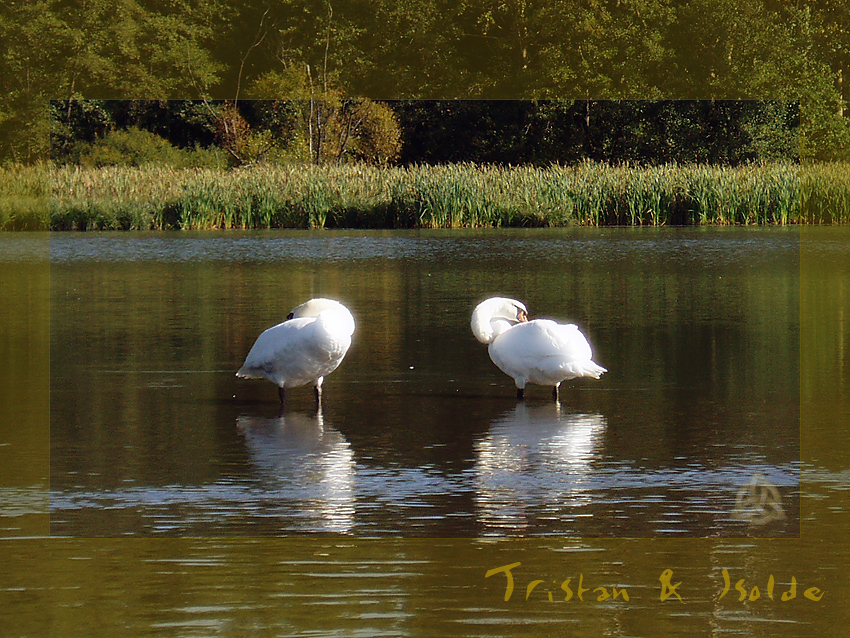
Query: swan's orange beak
point(521, 315)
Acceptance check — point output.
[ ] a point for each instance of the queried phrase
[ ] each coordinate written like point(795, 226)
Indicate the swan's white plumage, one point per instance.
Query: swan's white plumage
point(541, 351)
point(305, 348)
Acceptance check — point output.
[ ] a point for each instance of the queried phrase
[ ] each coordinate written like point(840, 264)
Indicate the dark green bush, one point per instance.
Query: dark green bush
point(134, 147)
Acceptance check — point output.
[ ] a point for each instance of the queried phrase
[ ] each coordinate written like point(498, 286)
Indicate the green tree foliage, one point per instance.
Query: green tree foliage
point(235, 136)
point(586, 51)
point(28, 67)
point(184, 123)
point(748, 49)
point(377, 48)
point(325, 128)
point(131, 147)
point(597, 49)
point(94, 49)
point(76, 124)
point(507, 132)
point(643, 132)
point(308, 114)
point(829, 24)
point(589, 48)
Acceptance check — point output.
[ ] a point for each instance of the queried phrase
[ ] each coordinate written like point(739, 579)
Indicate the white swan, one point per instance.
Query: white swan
point(540, 351)
point(305, 348)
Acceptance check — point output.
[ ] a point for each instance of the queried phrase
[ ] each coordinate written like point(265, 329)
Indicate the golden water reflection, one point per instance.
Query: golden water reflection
point(535, 456)
point(342, 585)
point(307, 467)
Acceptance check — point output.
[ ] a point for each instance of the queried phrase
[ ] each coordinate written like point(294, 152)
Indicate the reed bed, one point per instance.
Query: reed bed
point(825, 194)
point(450, 196)
point(24, 197)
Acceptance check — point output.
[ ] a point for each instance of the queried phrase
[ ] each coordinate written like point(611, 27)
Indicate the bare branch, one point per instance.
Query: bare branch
point(327, 46)
point(261, 35)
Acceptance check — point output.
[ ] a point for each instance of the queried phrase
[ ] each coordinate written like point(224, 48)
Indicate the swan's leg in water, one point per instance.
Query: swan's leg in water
point(555, 391)
point(520, 393)
point(281, 394)
point(319, 391)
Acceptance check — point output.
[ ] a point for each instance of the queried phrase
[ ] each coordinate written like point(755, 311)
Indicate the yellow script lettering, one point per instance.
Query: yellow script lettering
point(509, 589)
point(813, 593)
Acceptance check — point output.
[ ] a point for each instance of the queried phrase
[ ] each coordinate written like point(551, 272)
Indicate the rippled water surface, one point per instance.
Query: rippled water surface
point(418, 433)
point(700, 488)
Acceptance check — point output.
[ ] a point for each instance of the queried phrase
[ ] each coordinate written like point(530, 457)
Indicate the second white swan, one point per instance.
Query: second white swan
point(540, 351)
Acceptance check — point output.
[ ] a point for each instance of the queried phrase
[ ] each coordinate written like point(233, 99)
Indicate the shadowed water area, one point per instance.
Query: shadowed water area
point(419, 434)
point(183, 502)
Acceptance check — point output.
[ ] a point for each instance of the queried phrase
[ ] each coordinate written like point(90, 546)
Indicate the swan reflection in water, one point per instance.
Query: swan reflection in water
point(534, 467)
point(306, 470)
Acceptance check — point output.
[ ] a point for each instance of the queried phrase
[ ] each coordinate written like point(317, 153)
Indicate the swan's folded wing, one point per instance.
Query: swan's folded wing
point(545, 352)
point(565, 340)
point(280, 352)
point(572, 352)
point(331, 337)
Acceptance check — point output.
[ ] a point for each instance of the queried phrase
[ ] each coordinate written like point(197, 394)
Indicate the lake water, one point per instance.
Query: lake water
point(419, 434)
point(184, 501)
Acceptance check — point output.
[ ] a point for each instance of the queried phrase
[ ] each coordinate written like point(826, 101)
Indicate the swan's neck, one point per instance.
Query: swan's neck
point(495, 316)
point(499, 326)
point(487, 329)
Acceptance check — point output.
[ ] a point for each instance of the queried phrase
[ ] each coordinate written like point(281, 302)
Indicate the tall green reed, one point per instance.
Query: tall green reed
point(449, 196)
point(825, 193)
point(24, 197)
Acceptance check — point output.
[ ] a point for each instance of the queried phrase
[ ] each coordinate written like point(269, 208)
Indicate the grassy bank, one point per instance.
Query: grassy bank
point(420, 197)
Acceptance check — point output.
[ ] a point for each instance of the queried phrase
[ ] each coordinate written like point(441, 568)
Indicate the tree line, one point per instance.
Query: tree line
point(364, 63)
point(337, 131)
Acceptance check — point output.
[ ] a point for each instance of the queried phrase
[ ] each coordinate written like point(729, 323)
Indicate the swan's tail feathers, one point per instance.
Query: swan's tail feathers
point(586, 369)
